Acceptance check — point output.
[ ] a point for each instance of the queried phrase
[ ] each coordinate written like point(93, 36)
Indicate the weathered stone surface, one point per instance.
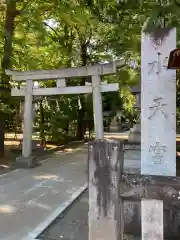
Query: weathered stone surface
point(136, 187)
point(163, 188)
point(158, 120)
point(158, 105)
point(105, 168)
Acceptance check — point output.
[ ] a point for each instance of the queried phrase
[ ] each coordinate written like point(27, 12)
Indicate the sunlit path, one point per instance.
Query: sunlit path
point(28, 197)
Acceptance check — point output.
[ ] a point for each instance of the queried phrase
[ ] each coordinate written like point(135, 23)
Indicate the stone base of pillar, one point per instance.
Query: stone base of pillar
point(135, 133)
point(26, 162)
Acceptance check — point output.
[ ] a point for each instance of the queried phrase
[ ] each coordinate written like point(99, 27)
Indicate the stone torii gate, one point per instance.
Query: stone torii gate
point(94, 71)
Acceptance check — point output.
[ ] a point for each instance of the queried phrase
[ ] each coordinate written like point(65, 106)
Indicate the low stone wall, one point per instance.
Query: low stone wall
point(108, 159)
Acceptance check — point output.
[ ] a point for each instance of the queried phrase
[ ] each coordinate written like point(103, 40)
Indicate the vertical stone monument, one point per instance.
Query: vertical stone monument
point(158, 118)
point(158, 121)
point(158, 95)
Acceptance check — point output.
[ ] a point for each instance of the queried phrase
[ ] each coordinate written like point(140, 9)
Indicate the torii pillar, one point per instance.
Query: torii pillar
point(135, 132)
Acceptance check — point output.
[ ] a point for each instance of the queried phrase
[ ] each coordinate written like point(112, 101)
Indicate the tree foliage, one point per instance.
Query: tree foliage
point(68, 33)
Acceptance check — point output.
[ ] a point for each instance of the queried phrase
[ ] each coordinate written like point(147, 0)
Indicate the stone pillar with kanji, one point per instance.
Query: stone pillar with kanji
point(158, 120)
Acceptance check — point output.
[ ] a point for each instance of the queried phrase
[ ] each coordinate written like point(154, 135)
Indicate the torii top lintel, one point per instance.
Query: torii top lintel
point(98, 69)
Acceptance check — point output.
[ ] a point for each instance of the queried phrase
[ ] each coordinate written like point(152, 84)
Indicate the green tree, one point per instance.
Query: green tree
point(58, 34)
point(6, 63)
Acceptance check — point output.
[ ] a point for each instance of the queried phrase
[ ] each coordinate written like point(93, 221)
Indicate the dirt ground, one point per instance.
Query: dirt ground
point(13, 149)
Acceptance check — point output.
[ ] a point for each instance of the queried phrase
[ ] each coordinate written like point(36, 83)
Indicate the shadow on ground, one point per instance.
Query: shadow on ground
point(72, 224)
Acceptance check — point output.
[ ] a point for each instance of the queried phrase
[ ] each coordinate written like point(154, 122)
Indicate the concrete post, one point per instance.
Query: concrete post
point(105, 161)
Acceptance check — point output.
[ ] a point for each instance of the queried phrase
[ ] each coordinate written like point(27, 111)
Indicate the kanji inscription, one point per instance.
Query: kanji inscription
point(157, 152)
point(158, 65)
point(157, 106)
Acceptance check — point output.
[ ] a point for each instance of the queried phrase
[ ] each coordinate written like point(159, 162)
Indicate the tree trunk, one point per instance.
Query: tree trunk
point(6, 64)
point(17, 119)
point(81, 112)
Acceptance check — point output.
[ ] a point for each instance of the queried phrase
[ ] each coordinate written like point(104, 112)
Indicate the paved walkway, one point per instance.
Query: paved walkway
point(29, 197)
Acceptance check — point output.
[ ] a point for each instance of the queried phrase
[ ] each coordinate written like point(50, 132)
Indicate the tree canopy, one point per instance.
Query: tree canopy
point(68, 33)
